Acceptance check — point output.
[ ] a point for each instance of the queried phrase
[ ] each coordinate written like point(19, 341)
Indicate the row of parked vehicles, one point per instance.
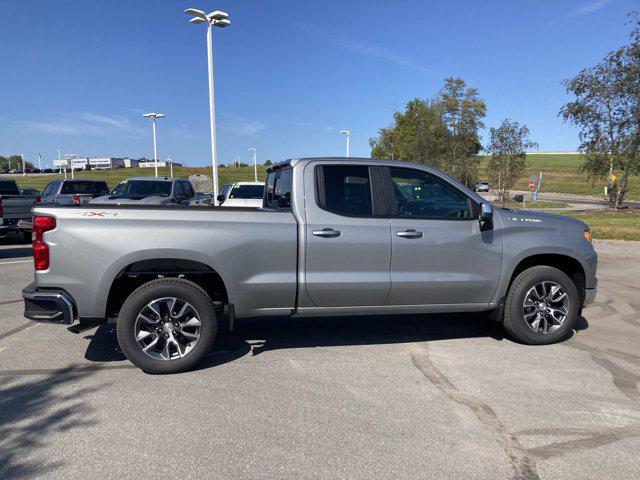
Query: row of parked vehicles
point(28, 170)
point(16, 204)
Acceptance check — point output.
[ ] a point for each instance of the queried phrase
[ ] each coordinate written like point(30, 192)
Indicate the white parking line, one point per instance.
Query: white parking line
point(16, 261)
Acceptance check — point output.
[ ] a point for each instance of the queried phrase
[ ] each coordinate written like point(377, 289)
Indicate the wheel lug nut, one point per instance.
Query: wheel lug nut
point(166, 335)
point(175, 332)
point(159, 330)
point(176, 324)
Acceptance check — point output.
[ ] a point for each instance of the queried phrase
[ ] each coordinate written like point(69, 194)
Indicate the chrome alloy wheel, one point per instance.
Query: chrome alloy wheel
point(545, 307)
point(167, 328)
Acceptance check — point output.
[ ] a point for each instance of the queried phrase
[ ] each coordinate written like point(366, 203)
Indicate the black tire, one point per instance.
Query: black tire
point(160, 288)
point(514, 321)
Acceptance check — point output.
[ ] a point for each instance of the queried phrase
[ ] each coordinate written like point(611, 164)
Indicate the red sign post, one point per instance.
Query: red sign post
point(531, 185)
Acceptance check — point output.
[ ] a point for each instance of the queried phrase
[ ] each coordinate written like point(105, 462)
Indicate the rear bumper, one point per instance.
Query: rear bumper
point(589, 296)
point(9, 225)
point(48, 306)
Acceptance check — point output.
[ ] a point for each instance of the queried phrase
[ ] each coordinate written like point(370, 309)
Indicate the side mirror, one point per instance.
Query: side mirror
point(486, 215)
point(220, 199)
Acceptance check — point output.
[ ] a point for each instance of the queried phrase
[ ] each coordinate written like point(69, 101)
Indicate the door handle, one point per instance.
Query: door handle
point(327, 233)
point(410, 233)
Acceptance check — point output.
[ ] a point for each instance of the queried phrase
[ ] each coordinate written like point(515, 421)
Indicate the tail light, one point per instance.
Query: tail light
point(41, 249)
point(76, 199)
point(38, 199)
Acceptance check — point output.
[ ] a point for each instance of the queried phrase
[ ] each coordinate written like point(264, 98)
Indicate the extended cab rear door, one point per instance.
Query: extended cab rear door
point(347, 238)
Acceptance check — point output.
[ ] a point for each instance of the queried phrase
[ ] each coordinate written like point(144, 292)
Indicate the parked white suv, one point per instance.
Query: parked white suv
point(241, 194)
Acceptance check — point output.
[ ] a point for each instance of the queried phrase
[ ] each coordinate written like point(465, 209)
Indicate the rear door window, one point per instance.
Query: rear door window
point(345, 189)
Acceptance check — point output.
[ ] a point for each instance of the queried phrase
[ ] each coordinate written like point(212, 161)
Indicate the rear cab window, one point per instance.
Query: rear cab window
point(83, 188)
point(277, 190)
point(9, 187)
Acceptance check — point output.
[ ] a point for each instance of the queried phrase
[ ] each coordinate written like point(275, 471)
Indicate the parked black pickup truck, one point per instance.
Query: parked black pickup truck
point(15, 209)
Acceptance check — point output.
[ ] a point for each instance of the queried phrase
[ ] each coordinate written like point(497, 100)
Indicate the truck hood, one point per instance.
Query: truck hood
point(537, 220)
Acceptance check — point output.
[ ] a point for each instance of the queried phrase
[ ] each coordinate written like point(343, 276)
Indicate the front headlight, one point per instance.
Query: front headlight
point(587, 235)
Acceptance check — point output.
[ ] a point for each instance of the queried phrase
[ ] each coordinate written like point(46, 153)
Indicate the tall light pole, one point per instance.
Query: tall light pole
point(346, 132)
point(70, 157)
point(255, 164)
point(59, 162)
point(153, 117)
point(213, 19)
point(24, 174)
point(168, 160)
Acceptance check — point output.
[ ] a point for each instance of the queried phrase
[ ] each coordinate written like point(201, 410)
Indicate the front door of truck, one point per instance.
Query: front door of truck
point(347, 241)
point(440, 254)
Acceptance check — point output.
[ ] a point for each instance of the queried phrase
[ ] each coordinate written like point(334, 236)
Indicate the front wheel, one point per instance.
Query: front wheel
point(542, 306)
point(167, 325)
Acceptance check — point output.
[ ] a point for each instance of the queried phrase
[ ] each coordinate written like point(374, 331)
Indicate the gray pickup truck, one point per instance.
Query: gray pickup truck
point(71, 192)
point(335, 236)
point(154, 191)
point(15, 210)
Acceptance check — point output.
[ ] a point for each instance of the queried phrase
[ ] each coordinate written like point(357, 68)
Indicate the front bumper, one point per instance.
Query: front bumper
point(589, 296)
point(48, 306)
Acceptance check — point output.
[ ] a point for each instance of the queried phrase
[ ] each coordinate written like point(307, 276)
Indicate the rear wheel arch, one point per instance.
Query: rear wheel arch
point(140, 272)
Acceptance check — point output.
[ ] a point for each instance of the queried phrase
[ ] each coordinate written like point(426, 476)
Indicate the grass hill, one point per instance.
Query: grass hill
point(560, 174)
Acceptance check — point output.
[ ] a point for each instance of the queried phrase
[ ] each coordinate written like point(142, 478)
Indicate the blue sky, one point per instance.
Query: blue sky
point(289, 75)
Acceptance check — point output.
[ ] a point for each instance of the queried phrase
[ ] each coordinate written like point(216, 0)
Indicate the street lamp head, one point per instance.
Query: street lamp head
point(221, 23)
point(346, 132)
point(153, 115)
point(217, 15)
point(196, 13)
point(252, 149)
point(197, 20)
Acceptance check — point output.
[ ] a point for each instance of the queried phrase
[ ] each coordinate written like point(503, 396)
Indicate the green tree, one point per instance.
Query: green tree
point(463, 111)
point(267, 163)
point(508, 145)
point(441, 132)
point(606, 111)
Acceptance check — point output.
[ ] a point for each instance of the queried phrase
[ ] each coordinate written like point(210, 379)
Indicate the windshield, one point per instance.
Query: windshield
point(141, 189)
point(9, 188)
point(246, 191)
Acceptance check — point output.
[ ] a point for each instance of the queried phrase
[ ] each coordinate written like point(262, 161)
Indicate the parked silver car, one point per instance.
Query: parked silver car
point(482, 186)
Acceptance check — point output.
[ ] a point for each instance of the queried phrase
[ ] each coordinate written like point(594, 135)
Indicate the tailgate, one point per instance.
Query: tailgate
point(17, 207)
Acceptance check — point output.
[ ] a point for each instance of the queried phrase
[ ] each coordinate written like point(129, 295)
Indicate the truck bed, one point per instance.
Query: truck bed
point(254, 250)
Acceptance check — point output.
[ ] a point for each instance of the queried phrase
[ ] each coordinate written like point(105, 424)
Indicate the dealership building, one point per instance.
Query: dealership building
point(98, 163)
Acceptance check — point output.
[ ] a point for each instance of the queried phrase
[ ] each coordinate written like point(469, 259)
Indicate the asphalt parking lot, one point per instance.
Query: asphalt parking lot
point(372, 397)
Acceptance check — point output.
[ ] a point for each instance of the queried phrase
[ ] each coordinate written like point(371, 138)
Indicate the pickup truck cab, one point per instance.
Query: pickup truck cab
point(335, 236)
point(15, 209)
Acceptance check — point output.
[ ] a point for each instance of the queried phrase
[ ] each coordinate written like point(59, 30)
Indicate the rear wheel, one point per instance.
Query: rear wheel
point(542, 306)
point(167, 326)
